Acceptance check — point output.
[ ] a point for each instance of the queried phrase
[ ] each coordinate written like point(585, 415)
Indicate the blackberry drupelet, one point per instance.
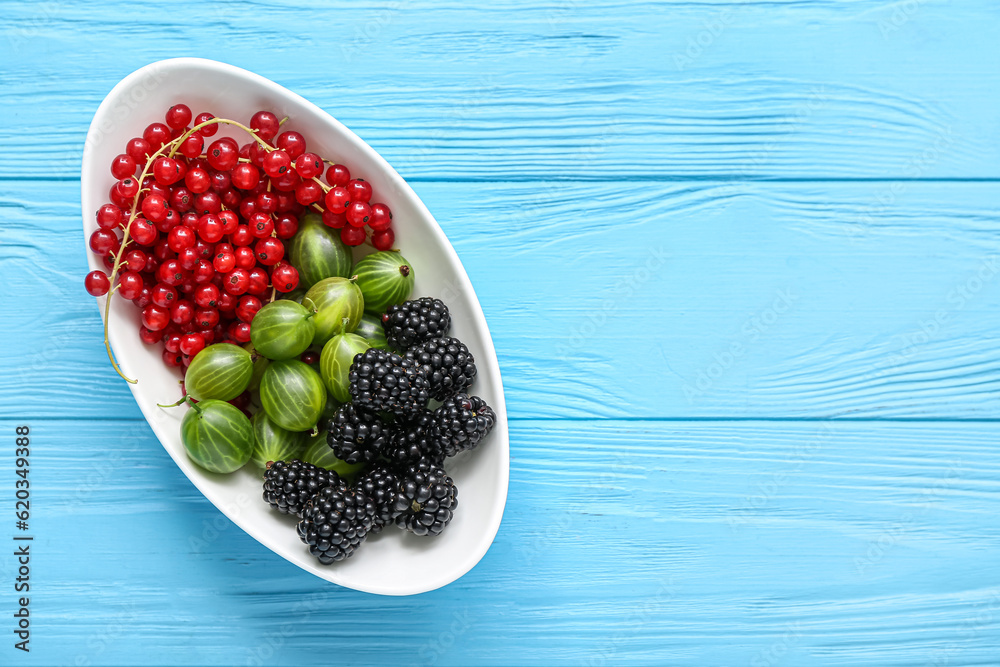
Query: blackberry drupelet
point(386, 382)
point(412, 440)
point(381, 485)
point(415, 321)
point(335, 522)
point(356, 436)
point(288, 485)
point(426, 500)
point(461, 422)
point(446, 363)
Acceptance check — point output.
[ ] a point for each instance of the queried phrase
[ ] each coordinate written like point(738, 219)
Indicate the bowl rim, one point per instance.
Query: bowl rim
point(500, 436)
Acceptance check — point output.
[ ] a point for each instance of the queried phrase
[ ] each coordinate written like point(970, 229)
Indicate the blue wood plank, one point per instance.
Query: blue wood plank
point(561, 89)
point(623, 543)
point(772, 300)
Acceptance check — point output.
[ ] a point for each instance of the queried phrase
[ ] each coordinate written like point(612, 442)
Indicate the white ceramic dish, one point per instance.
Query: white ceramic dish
point(395, 562)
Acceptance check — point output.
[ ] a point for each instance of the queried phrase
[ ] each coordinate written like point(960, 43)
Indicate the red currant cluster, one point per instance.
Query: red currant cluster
point(197, 238)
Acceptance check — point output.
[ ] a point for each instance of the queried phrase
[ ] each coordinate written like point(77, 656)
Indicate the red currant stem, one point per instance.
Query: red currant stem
point(274, 293)
point(121, 251)
point(184, 399)
point(282, 121)
point(318, 208)
point(326, 188)
point(216, 121)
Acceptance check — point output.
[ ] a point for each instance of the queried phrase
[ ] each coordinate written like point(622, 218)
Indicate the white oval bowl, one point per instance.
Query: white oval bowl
point(394, 562)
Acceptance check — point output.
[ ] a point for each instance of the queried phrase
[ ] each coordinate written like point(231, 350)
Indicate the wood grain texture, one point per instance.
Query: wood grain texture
point(622, 543)
point(720, 300)
point(739, 263)
point(562, 89)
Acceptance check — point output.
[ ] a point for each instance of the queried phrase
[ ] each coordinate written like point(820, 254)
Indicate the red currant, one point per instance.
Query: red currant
point(156, 134)
point(154, 317)
point(171, 272)
point(154, 207)
point(269, 251)
point(261, 225)
point(206, 318)
point(266, 202)
point(188, 257)
point(240, 331)
point(383, 239)
point(192, 343)
point(128, 187)
point(143, 232)
point(380, 218)
point(203, 272)
point(285, 225)
point(135, 260)
point(309, 165)
point(181, 199)
point(337, 199)
point(266, 124)
point(223, 154)
point(163, 295)
point(230, 221)
point(236, 281)
point(226, 303)
point(245, 257)
point(335, 220)
point(97, 283)
point(285, 277)
point(181, 237)
point(292, 143)
point(109, 216)
point(208, 202)
point(308, 192)
point(358, 213)
point(220, 181)
point(150, 337)
point(142, 300)
point(258, 281)
point(166, 170)
point(173, 359)
point(170, 220)
point(208, 130)
point(338, 174)
point(276, 163)
point(224, 262)
point(352, 235)
point(178, 116)
point(242, 236)
point(360, 190)
point(103, 241)
point(181, 312)
point(210, 228)
point(197, 180)
point(192, 146)
point(287, 182)
point(138, 149)
point(248, 307)
point(206, 296)
point(122, 166)
point(245, 176)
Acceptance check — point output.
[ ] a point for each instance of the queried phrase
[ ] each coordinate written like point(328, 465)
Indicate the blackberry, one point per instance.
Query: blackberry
point(356, 436)
point(335, 522)
point(426, 500)
point(415, 321)
point(288, 485)
point(381, 485)
point(447, 364)
point(412, 441)
point(385, 382)
point(461, 422)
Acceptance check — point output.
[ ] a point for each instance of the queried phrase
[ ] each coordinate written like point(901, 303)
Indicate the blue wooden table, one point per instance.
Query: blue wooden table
point(741, 262)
